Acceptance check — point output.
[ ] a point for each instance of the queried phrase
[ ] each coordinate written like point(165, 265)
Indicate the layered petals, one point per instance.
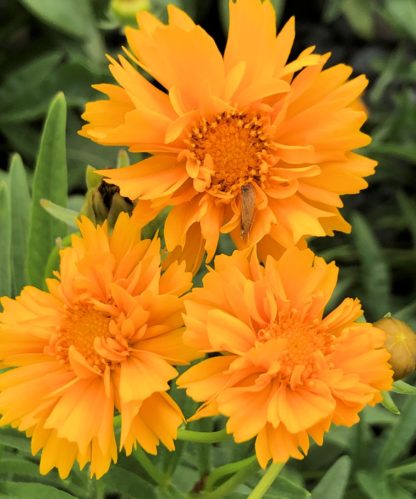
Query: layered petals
point(103, 338)
point(286, 371)
point(252, 143)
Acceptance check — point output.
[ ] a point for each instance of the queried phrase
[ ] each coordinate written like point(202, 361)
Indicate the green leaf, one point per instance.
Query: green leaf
point(5, 241)
point(50, 182)
point(360, 16)
point(376, 273)
point(28, 490)
point(65, 215)
point(408, 207)
point(403, 15)
point(127, 483)
point(400, 436)
point(72, 17)
point(18, 466)
point(334, 483)
point(20, 214)
point(286, 489)
point(10, 437)
point(403, 388)
point(389, 404)
point(374, 485)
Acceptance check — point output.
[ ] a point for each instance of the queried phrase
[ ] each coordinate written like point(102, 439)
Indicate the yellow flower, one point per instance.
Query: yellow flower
point(286, 371)
point(103, 337)
point(245, 143)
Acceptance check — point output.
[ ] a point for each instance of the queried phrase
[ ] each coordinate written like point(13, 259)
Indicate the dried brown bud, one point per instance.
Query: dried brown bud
point(401, 344)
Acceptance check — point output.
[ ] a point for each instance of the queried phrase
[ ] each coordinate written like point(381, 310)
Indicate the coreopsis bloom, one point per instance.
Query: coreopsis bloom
point(245, 143)
point(285, 370)
point(103, 337)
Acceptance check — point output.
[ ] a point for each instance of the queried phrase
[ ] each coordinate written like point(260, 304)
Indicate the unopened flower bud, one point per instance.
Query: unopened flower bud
point(103, 201)
point(126, 10)
point(401, 344)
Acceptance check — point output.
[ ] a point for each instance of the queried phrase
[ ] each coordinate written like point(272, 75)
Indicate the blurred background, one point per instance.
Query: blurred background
point(53, 45)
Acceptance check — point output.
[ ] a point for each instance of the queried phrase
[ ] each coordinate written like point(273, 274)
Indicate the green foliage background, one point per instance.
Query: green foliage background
point(49, 46)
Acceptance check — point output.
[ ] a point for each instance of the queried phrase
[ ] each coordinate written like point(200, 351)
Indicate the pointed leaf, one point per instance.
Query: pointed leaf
point(65, 215)
point(389, 404)
point(376, 273)
point(334, 483)
point(400, 436)
point(50, 182)
point(5, 241)
point(20, 213)
point(403, 388)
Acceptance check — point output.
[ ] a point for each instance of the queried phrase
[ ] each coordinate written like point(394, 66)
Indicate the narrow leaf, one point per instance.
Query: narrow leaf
point(400, 436)
point(408, 207)
point(127, 483)
point(376, 273)
point(27, 490)
point(50, 182)
point(5, 241)
point(65, 215)
point(20, 214)
point(403, 388)
point(389, 404)
point(334, 483)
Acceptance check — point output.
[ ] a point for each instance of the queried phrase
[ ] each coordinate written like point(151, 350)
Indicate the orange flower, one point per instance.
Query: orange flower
point(246, 144)
point(103, 337)
point(286, 371)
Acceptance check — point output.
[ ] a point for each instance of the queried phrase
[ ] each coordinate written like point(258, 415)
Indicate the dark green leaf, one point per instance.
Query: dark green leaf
point(127, 483)
point(400, 436)
point(10, 437)
point(50, 182)
point(375, 271)
point(19, 466)
point(374, 485)
point(72, 17)
point(408, 207)
point(334, 482)
point(27, 490)
point(20, 214)
point(5, 241)
point(286, 489)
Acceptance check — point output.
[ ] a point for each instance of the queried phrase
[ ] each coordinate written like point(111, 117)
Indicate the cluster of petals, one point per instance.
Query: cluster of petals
point(218, 126)
point(102, 340)
point(279, 368)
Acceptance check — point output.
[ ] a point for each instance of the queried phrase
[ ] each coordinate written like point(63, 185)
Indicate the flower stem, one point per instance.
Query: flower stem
point(229, 485)
point(227, 469)
point(202, 437)
point(149, 467)
point(266, 481)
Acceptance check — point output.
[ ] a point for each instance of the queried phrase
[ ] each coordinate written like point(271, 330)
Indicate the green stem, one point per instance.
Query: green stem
point(227, 469)
point(202, 437)
point(266, 481)
point(149, 467)
point(228, 486)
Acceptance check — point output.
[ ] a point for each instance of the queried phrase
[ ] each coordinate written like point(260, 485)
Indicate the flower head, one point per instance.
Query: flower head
point(286, 370)
point(245, 143)
point(102, 338)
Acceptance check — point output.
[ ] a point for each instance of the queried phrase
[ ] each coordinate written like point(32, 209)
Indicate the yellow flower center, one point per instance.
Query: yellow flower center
point(81, 326)
point(237, 145)
point(306, 343)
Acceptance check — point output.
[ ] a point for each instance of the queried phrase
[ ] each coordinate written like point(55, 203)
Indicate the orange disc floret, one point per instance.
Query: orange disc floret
point(103, 338)
point(285, 370)
point(225, 126)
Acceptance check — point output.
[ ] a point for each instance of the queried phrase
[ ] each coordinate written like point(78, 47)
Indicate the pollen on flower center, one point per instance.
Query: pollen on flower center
point(81, 326)
point(237, 147)
point(305, 342)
